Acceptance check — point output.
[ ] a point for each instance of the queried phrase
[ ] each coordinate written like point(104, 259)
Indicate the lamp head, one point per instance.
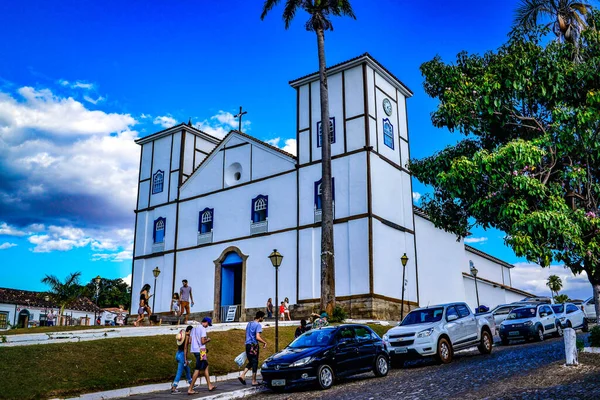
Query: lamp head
point(276, 258)
point(156, 272)
point(474, 270)
point(97, 279)
point(404, 259)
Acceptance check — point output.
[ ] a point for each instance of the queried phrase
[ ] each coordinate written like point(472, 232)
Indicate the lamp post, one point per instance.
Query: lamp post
point(474, 272)
point(404, 260)
point(97, 281)
point(156, 273)
point(276, 259)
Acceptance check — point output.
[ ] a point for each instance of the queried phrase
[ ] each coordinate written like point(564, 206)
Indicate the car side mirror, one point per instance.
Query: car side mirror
point(452, 318)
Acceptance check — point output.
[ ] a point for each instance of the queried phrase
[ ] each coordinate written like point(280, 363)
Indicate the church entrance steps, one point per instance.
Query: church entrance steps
point(116, 332)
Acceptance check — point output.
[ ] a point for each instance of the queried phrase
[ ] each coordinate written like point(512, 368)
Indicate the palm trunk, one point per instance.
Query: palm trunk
point(327, 252)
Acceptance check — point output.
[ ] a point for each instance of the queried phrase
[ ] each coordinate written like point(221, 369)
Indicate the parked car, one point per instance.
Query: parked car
point(589, 309)
point(439, 331)
point(530, 322)
point(322, 355)
point(499, 313)
point(570, 316)
point(547, 300)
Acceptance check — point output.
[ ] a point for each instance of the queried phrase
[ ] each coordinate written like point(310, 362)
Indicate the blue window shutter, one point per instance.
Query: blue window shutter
point(154, 231)
point(267, 209)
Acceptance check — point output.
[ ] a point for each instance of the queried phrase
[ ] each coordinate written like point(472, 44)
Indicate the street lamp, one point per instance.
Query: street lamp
point(404, 260)
point(97, 281)
point(474, 272)
point(156, 273)
point(276, 259)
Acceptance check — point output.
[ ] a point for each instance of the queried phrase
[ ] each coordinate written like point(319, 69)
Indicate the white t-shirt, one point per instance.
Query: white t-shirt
point(197, 334)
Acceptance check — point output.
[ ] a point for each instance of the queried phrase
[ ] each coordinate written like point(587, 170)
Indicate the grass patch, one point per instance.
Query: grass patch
point(51, 329)
point(69, 369)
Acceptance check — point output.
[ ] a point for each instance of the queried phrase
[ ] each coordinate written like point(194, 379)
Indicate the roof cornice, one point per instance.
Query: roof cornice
point(175, 129)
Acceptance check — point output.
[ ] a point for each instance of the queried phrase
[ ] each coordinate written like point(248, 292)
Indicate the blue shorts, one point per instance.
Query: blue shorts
point(201, 365)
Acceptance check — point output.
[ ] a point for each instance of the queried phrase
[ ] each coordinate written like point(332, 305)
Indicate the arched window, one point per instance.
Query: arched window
point(331, 131)
point(206, 220)
point(319, 193)
point(388, 133)
point(159, 230)
point(158, 182)
point(260, 208)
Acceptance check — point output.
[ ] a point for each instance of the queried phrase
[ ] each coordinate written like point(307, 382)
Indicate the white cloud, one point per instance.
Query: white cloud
point(93, 101)
point(145, 116)
point(127, 279)
point(7, 230)
point(289, 145)
point(82, 85)
point(475, 240)
point(63, 82)
point(6, 245)
point(165, 121)
point(40, 159)
point(532, 278)
point(416, 197)
point(220, 124)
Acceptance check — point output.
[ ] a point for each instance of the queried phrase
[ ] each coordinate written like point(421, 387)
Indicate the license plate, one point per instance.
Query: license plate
point(514, 333)
point(401, 350)
point(278, 382)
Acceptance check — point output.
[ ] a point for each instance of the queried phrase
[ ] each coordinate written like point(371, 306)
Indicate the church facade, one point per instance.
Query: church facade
point(211, 211)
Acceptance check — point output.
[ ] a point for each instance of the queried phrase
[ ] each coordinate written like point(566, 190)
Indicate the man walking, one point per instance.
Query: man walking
point(50, 318)
point(198, 348)
point(253, 331)
point(185, 295)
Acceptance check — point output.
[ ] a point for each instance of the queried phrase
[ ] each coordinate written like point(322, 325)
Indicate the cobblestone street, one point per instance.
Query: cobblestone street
point(519, 371)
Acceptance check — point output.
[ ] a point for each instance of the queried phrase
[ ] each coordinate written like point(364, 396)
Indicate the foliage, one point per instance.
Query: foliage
point(554, 283)
point(561, 298)
point(580, 344)
point(567, 17)
point(63, 293)
point(339, 315)
point(529, 163)
point(111, 292)
point(595, 336)
point(319, 11)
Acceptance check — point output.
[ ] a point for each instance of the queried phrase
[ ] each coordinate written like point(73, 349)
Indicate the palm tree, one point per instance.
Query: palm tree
point(63, 293)
point(554, 283)
point(319, 21)
point(567, 17)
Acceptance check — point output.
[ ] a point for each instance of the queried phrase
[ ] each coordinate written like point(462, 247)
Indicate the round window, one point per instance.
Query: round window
point(233, 174)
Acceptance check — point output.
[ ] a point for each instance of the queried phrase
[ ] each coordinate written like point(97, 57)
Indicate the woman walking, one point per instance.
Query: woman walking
point(287, 308)
point(144, 305)
point(183, 339)
point(270, 308)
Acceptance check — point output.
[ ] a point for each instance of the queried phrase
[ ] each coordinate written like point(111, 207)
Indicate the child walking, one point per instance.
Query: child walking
point(175, 304)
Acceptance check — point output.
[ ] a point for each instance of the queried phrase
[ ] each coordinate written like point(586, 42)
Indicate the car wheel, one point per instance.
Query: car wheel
point(325, 377)
point(444, 351)
point(485, 347)
point(504, 340)
point(540, 334)
point(559, 330)
point(382, 366)
point(585, 327)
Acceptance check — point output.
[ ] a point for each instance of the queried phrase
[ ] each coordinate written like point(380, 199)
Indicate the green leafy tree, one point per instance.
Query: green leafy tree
point(567, 17)
point(319, 21)
point(111, 292)
point(554, 283)
point(561, 298)
point(529, 160)
point(63, 293)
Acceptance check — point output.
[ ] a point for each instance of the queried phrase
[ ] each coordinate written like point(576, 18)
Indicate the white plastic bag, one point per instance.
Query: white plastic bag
point(241, 359)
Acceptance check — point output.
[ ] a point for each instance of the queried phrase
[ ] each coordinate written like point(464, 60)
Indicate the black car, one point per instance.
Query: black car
point(322, 355)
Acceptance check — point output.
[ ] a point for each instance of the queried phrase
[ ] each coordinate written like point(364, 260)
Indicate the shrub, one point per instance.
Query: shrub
point(339, 315)
point(595, 336)
point(580, 344)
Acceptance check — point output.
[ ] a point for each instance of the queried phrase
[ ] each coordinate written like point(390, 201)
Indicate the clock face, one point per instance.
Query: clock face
point(387, 106)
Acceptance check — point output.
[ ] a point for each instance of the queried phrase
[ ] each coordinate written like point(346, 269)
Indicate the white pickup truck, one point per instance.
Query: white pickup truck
point(439, 331)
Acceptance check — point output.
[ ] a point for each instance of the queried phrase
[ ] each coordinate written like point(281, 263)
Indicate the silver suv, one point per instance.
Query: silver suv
point(534, 321)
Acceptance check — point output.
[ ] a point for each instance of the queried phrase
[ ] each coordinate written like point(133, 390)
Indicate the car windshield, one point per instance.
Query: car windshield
point(520, 313)
point(423, 316)
point(558, 308)
point(313, 338)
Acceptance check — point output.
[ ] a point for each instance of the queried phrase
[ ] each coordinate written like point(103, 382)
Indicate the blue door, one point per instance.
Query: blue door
point(231, 280)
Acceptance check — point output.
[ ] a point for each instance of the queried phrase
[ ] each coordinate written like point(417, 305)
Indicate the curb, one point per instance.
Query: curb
point(160, 387)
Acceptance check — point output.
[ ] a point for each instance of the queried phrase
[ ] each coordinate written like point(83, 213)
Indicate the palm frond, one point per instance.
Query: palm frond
point(529, 11)
point(289, 11)
point(268, 6)
point(341, 8)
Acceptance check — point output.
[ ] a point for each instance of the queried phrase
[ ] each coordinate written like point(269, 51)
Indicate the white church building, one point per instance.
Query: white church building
point(211, 210)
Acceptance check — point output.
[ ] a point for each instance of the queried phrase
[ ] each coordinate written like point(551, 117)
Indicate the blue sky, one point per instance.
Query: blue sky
point(79, 81)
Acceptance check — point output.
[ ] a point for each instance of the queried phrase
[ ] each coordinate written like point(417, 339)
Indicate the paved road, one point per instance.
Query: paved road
point(518, 371)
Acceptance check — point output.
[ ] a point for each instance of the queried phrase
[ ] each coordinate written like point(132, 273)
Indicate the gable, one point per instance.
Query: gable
point(237, 160)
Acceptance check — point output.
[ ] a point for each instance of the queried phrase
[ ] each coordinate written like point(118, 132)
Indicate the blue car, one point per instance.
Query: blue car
point(320, 356)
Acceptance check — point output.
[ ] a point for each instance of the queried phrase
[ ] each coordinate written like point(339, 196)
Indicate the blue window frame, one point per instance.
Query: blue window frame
point(205, 220)
point(160, 225)
point(319, 195)
point(388, 133)
point(331, 131)
point(260, 208)
point(158, 180)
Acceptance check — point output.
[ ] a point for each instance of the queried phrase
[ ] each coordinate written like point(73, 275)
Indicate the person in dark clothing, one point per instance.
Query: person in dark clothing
point(301, 329)
point(183, 364)
point(144, 305)
point(253, 337)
